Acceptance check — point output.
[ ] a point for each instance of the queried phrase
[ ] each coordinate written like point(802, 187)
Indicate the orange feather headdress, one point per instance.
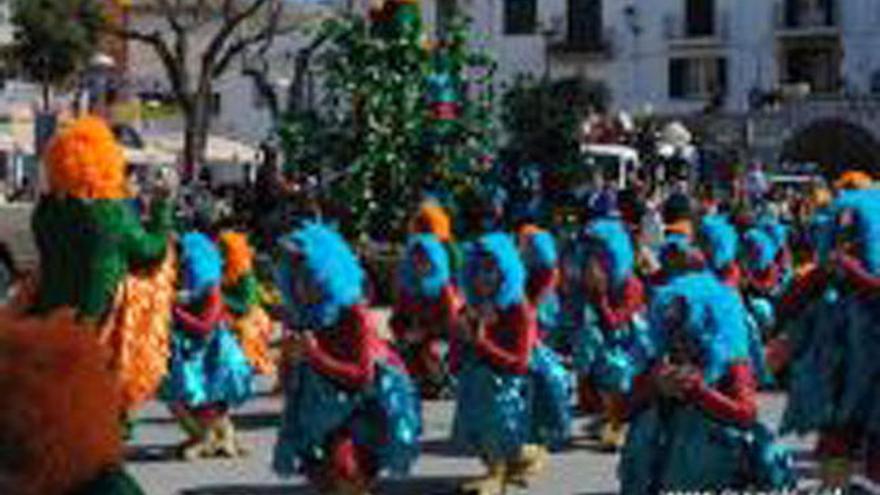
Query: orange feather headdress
point(60, 417)
point(84, 161)
point(432, 219)
point(239, 258)
point(854, 179)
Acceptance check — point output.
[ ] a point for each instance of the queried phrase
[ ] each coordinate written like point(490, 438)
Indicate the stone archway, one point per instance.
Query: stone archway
point(836, 145)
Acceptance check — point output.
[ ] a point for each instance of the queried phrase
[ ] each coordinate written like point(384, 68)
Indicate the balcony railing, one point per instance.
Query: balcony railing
point(678, 30)
point(600, 45)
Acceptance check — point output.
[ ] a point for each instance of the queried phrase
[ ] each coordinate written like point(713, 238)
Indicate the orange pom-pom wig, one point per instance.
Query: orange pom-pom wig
point(238, 256)
point(59, 424)
point(84, 161)
point(432, 219)
point(854, 179)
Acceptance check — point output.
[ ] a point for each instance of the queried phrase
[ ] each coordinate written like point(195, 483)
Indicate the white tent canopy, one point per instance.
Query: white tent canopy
point(220, 150)
point(150, 155)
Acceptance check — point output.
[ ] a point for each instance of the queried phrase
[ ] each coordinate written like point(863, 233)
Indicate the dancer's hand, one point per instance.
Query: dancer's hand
point(166, 185)
point(296, 347)
point(687, 382)
point(664, 380)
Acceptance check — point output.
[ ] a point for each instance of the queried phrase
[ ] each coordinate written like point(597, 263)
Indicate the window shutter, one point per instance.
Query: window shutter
point(520, 16)
point(676, 77)
point(722, 76)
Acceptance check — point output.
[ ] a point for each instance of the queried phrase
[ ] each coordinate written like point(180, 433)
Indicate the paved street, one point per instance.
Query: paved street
point(580, 470)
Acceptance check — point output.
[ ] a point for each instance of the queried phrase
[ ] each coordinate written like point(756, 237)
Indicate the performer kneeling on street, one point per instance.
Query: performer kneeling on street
point(209, 373)
point(426, 314)
point(350, 411)
point(513, 393)
point(695, 420)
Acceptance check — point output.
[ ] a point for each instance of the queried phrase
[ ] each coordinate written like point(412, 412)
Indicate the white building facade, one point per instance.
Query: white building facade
point(676, 56)
point(777, 76)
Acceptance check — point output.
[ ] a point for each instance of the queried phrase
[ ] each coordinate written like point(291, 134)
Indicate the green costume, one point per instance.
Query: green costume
point(242, 296)
point(113, 482)
point(87, 247)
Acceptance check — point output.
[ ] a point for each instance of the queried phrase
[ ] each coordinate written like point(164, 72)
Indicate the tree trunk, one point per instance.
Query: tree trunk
point(47, 96)
point(197, 119)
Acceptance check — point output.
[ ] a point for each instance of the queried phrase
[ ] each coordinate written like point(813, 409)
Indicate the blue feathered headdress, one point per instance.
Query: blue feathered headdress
point(865, 204)
point(501, 249)
point(613, 238)
point(761, 248)
point(200, 262)
point(540, 250)
point(713, 317)
point(431, 285)
point(775, 229)
point(720, 240)
point(327, 263)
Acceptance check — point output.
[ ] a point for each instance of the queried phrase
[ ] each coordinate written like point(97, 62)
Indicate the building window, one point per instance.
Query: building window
point(818, 66)
point(700, 17)
point(585, 23)
point(520, 17)
point(809, 13)
point(697, 78)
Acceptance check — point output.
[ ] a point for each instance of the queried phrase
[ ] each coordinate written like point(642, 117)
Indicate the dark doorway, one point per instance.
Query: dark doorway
point(835, 145)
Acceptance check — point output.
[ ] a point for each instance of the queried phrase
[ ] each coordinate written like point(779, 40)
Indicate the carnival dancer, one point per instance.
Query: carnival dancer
point(426, 315)
point(538, 250)
point(98, 258)
point(720, 242)
point(694, 425)
point(59, 425)
point(241, 295)
point(432, 218)
point(351, 411)
point(766, 272)
point(209, 373)
point(513, 392)
point(609, 346)
point(834, 340)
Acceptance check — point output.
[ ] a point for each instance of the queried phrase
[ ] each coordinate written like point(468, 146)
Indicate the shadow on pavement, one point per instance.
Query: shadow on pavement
point(441, 447)
point(410, 486)
point(243, 422)
point(257, 421)
point(147, 454)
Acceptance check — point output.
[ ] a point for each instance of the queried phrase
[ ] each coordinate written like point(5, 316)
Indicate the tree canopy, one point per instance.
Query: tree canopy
point(54, 39)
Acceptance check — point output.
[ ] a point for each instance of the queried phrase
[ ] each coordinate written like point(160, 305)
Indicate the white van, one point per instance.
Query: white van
point(615, 162)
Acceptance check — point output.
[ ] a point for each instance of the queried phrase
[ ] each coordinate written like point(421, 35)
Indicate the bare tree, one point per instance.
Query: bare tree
point(258, 68)
point(197, 41)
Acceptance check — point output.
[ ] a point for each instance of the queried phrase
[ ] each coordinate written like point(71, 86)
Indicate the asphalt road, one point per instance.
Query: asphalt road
point(579, 470)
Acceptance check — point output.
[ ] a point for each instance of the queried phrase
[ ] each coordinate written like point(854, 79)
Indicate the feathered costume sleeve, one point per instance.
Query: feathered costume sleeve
point(358, 336)
point(520, 322)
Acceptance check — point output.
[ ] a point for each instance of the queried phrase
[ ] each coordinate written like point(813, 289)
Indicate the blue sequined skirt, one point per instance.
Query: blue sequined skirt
point(207, 370)
point(549, 315)
point(497, 413)
point(680, 448)
point(385, 416)
point(611, 359)
point(757, 354)
point(835, 371)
